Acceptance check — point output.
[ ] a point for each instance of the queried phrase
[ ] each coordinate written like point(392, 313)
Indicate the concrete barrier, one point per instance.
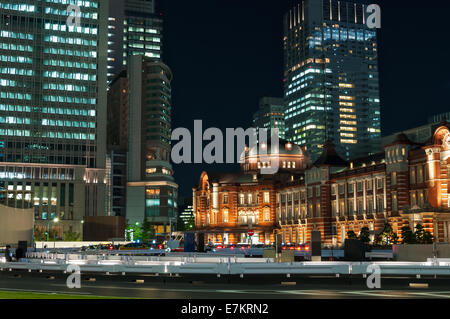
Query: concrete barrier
point(380, 254)
point(232, 268)
point(289, 268)
point(420, 253)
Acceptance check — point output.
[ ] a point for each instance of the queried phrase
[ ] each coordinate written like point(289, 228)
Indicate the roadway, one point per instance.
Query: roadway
point(210, 287)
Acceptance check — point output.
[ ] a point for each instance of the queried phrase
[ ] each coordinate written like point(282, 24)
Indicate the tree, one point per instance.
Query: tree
point(422, 236)
point(352, 235)
point(387, 235)
point(39, 234)
point(364, 235)
point(419, 233)
point(147, 232)
point(72, 236)
point(428, 238)
point(408, 236)
point(394, 238)
point(133, 232)
point(52, 235)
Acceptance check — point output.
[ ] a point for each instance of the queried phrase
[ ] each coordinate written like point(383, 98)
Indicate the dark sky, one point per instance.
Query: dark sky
point(226, 54)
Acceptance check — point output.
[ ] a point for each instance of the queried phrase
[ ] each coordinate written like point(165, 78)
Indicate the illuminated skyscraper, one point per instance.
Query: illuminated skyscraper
point(134, 29)
point(331, 78)
point(270, 115)
point(53, 109)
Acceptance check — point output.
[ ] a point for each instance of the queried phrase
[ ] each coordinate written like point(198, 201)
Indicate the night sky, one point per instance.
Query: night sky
point(226, 54)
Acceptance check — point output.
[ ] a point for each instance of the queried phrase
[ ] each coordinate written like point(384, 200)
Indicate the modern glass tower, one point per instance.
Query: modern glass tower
point(270, 115)
point(53, 109)
point(151, 190)
point(331, 78)
point(134, 29)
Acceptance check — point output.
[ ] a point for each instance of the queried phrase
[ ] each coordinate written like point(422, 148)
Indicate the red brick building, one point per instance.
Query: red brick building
point(407, 184)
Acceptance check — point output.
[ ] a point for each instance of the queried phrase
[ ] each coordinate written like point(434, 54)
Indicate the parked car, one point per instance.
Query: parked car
point(297, 247)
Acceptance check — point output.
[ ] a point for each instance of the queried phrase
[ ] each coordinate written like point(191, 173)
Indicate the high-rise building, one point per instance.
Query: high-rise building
point(134, 29)
point(117, 144)
point(186, 213)
point(53, 109)
point(270, 115)
point(141, 103)
point(331, 78)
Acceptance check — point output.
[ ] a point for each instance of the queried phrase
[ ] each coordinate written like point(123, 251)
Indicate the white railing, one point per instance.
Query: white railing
point(222, 266)
point(76, 244)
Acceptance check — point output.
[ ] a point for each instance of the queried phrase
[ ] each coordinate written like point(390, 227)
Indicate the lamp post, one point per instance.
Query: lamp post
point(55, 220)
point(170, 225)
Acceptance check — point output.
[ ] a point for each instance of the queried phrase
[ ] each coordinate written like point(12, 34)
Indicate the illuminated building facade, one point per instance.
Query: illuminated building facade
point(140, 125)
point(270, 115)
point(405, 185)
point(53, 110)
point(134, 29)
point(331, 78)
point(226, 206)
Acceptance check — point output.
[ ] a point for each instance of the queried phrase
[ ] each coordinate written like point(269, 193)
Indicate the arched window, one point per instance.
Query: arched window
point(266, 214)
point(225, 216)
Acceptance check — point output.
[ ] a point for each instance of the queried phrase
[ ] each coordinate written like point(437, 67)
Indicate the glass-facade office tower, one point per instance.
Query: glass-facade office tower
point(331, 78)
point(53, 109)
point(151, 190)
point(134, 29)
point(270, 115)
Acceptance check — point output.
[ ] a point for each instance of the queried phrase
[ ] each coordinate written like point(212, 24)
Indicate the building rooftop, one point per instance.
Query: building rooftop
point(329, 156)
point(285, 148)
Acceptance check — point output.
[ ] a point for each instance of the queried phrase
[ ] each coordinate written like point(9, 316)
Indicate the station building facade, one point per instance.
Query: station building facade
point(405, 185)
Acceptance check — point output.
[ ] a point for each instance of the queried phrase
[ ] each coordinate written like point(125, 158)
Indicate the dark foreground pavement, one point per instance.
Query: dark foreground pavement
point(226, 287)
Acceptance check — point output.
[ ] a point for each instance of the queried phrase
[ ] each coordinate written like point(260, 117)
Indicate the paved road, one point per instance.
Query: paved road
point(257, 287)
